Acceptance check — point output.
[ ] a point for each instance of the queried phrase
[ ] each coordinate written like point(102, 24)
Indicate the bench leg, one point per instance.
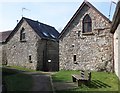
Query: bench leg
point(87, 83)
point(79, 83)
point(74, 79)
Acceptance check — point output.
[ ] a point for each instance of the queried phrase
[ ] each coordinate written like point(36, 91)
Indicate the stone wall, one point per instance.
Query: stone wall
point(18, 52)
point(94, 51)
point(40, 50)
point(0, 54)
point(3, 55)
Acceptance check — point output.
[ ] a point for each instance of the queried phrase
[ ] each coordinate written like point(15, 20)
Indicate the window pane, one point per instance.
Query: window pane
point(87, 24)
point(23, 35)
point(85, 27)
point(89, 27)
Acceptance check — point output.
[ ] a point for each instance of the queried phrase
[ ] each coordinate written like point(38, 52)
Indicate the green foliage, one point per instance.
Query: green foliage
point(21, 68)
point(63, 76)
point(101, 81)
point(17, 80)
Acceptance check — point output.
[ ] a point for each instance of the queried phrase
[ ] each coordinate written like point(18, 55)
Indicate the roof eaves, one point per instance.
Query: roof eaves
point(116, 18)
point(79, 9)
point(14, 30)
point(71, 20)
point(38, 34)
point(90, 5)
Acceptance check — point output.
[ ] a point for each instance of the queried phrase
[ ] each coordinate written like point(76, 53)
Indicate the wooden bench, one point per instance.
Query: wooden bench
point(84, 77)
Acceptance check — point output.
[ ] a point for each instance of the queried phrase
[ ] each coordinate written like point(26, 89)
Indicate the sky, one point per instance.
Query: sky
point(55, 13)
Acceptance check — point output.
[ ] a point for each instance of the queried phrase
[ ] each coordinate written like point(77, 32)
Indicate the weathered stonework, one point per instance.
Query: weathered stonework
point(32, 53)
point(0, 54)
point(18, 52)
point(94, 51)
point(3, 56)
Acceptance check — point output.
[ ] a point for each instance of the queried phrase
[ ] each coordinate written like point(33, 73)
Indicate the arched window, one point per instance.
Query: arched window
point(22, 34)
point(87, 24)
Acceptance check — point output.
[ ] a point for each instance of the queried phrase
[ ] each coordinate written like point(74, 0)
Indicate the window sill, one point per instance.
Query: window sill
point(22, 40)
point(88, 33)
point(30, 61)
point(75, 63)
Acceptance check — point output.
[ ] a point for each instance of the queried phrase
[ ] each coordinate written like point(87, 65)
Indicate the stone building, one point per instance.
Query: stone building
point(115, 29)
point(33, 45)
point(86, 41)
point(3, 36)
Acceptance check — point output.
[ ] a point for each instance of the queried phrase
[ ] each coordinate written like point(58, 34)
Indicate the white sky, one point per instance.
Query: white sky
point(56, 13)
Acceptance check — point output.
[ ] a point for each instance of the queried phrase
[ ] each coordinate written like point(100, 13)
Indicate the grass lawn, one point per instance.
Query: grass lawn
point(20, 68)
point(101, 81)
point(16, 81)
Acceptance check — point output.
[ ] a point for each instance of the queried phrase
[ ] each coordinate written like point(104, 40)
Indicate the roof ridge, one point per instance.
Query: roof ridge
point(38, 22)
point(76, 13)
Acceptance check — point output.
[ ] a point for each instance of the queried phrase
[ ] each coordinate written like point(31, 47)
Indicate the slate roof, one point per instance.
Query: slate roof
point(116, 18)
point(44, 31)
point(76, 14)
point(4, 35)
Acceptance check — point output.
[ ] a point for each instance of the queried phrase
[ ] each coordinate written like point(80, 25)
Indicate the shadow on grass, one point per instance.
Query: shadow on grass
point(94, 84)
point(98, 84)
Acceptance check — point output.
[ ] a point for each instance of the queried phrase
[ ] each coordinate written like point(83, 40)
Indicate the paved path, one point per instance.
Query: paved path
point(42, 83)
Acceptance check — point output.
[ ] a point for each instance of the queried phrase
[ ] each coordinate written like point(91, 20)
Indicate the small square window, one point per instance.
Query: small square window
point(30, 59)
point(74, 58)
point(78, 33)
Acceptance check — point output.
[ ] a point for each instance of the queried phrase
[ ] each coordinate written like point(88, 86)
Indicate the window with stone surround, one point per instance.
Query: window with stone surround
point(22, 35)
point(87, 24)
